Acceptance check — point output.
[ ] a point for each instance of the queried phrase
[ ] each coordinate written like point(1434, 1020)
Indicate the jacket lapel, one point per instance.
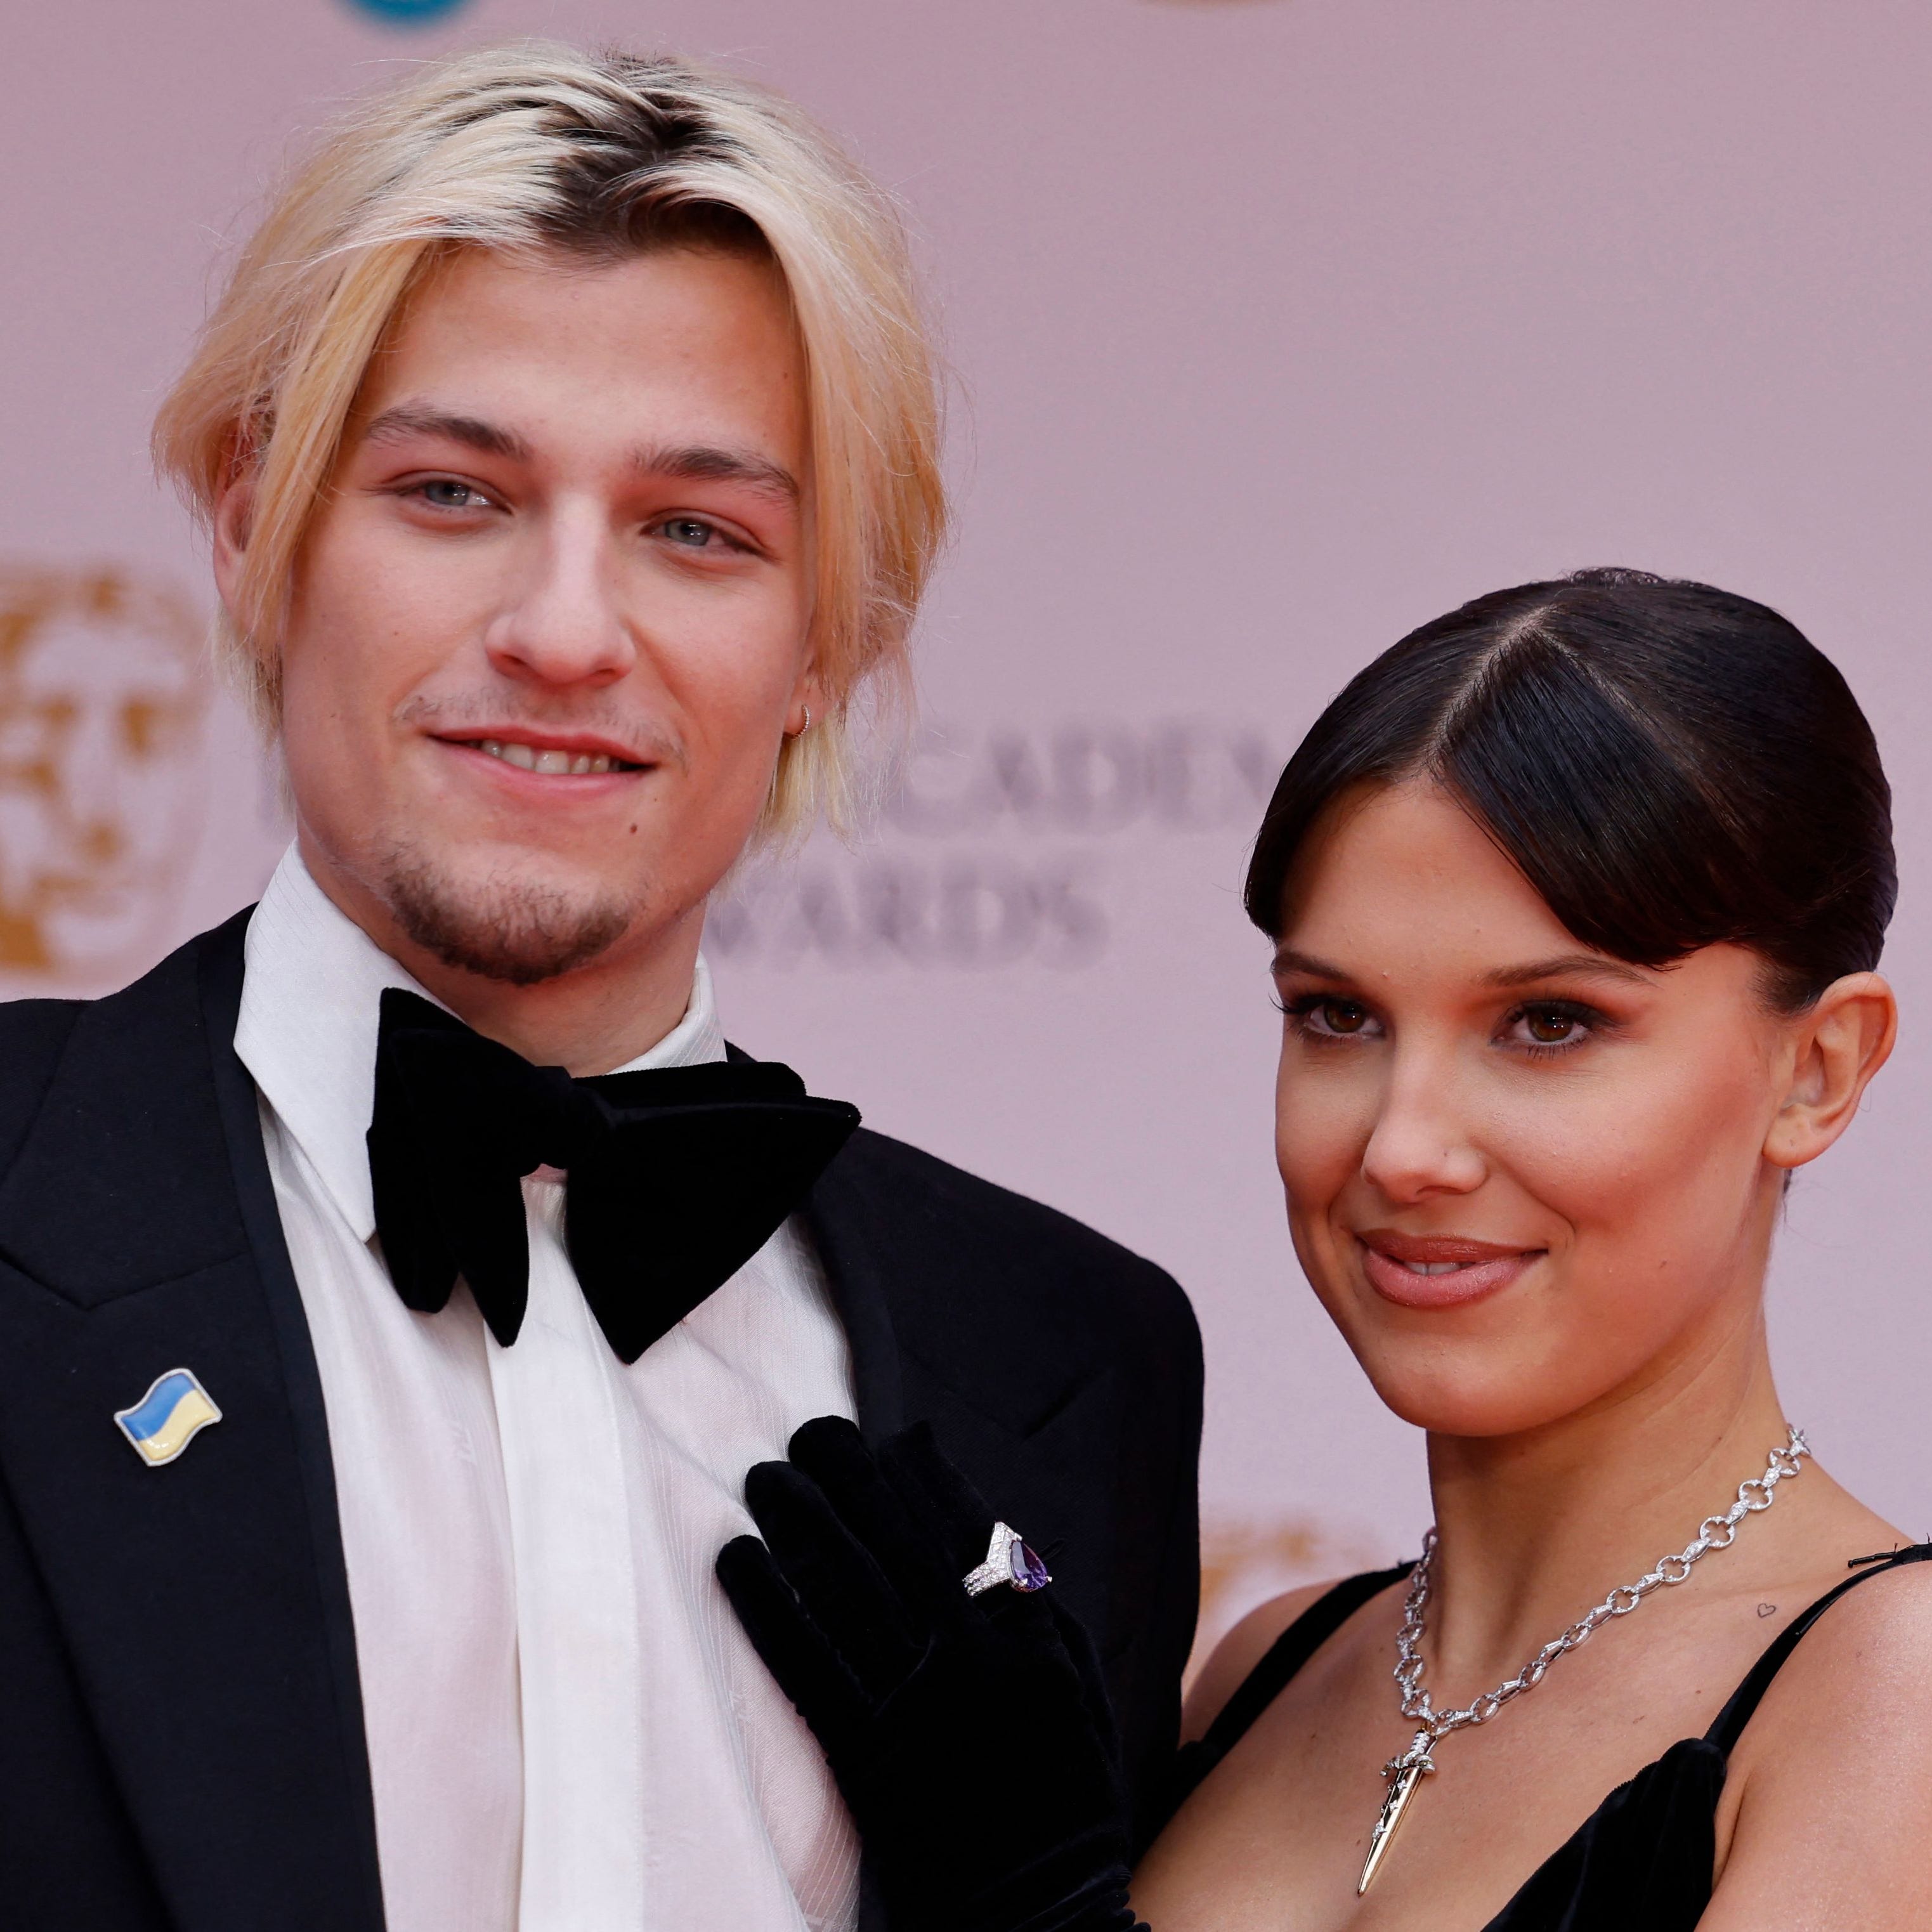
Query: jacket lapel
point(204, 1600)
point(849, 1227)
point(879, 1250)
point(850, 1232)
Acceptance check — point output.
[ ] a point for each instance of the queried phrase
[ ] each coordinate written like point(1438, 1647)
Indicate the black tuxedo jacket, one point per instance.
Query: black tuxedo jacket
point(180, 1723)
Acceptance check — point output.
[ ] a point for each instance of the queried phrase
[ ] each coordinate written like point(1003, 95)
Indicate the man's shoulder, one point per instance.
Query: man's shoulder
point(33, 1034)
point(110, 1088)
point(995, 1244)
point(950, 1200)
point(113, 1156)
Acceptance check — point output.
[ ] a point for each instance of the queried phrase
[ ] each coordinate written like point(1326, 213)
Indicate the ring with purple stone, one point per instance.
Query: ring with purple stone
point(1009, 1560)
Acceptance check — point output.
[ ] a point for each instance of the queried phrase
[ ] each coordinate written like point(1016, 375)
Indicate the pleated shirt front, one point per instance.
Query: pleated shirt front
point(567, 1732)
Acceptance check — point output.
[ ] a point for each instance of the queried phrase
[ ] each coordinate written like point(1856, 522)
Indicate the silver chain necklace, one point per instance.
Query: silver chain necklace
point(1406, 1773)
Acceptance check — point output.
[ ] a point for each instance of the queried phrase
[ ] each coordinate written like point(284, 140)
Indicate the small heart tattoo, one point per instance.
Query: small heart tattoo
point(1767, 1609)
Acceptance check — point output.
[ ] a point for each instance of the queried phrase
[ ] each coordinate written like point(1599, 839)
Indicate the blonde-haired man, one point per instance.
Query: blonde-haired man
point(382, 1375)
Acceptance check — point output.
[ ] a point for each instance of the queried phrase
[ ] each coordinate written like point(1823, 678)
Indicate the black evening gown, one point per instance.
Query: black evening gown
point(1643, 1858)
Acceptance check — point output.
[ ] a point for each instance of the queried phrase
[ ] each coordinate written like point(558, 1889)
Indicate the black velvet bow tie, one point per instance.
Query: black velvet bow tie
point(676, 1175)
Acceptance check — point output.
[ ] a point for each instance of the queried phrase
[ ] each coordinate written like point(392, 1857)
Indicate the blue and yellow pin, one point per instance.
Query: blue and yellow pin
point(175, 1410)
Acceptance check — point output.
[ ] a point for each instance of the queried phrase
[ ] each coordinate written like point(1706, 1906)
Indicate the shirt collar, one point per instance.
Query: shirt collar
point(311, 991)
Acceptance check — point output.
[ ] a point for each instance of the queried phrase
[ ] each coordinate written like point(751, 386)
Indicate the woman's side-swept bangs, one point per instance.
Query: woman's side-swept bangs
point(1669, 765)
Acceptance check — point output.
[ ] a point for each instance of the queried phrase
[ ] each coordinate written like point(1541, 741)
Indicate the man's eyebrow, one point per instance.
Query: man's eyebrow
point(704, 462)
point(408, 419)
point(1566, 966)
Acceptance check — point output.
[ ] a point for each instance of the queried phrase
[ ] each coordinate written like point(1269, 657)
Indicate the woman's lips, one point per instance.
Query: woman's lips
point(1439, 1270)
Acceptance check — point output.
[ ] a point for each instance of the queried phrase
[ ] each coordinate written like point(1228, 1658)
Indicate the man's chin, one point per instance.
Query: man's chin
point(519, 931)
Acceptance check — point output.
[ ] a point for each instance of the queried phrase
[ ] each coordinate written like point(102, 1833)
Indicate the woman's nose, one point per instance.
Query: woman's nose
point(1421, 1143)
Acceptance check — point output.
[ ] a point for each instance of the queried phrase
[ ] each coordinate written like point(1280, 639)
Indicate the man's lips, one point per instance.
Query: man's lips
point(548, 754)
point(1439, 1270)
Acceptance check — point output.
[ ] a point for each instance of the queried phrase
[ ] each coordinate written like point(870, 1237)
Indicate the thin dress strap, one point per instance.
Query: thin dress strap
point(1744, 1700)
point(1288, 1653)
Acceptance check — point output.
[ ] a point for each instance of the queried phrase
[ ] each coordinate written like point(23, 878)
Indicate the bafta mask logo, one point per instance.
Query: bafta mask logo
point(102, 705)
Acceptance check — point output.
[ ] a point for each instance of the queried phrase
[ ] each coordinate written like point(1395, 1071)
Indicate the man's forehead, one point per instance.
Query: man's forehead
point(606, 346)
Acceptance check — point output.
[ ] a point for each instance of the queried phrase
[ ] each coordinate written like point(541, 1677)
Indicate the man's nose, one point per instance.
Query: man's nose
point(564, 623)
point(1421, 1143)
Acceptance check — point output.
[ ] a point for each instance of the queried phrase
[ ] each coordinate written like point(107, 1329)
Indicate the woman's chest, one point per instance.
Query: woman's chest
point(1277, 1835)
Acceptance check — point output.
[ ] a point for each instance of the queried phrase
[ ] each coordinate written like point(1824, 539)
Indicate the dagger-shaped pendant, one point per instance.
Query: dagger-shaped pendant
point(1404, 1774)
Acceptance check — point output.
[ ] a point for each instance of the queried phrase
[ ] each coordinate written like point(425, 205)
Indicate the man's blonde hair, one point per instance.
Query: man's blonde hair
point(540, 148)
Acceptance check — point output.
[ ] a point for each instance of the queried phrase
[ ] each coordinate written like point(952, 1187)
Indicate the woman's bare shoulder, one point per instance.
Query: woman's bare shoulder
point(1836, 1800)
point(1238, 1652)
point(1868, 1650)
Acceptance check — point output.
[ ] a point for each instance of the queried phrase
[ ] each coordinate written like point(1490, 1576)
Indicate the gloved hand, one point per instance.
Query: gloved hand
point(969, 1736)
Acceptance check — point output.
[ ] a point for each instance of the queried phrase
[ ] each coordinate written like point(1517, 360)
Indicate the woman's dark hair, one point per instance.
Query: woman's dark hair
point(1668, 765)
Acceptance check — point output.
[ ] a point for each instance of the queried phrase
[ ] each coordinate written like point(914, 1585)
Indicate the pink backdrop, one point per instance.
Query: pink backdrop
point(1278, 328)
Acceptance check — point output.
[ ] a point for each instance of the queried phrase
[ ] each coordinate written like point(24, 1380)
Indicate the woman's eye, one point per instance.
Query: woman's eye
point(1326, 1018)
point(1550, 1024)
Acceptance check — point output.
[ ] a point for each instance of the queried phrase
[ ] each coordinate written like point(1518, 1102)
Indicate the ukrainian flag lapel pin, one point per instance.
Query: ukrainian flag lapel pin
point(175, 1410)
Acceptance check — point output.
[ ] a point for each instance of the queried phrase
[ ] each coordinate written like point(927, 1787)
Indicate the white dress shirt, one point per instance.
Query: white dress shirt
point(567, 1731)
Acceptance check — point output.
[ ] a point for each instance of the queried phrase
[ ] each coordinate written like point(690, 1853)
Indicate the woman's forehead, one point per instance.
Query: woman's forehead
point(1407, 862)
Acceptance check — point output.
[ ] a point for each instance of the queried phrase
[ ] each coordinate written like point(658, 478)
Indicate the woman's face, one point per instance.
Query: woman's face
point(1524, 1177)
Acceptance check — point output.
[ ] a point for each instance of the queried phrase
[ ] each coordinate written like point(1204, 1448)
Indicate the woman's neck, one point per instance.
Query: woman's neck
point(1536, 1529)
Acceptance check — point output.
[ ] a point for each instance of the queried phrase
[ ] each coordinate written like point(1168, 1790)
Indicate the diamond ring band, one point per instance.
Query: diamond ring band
point(1009, 1560)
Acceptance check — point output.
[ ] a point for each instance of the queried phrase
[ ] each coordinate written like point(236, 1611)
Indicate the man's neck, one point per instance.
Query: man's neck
point(588, 1022)
point(596, 1017)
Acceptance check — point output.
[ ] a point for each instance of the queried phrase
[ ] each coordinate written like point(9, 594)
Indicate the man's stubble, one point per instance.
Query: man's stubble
point(516, 932)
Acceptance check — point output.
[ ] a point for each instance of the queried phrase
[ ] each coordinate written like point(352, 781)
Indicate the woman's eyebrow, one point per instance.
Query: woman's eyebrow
point(1566, 966)
point(1287, 960)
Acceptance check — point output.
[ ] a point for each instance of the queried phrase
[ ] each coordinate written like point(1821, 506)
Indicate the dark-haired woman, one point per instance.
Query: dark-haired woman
point(1576, 895)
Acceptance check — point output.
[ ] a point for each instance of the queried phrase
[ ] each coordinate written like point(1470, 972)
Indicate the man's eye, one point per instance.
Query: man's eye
point(446, 493)
point(691, 532)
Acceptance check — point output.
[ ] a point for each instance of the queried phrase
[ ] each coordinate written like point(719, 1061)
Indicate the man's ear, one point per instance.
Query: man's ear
point(808, 700)
point(234, 510)
point(1841, 1042)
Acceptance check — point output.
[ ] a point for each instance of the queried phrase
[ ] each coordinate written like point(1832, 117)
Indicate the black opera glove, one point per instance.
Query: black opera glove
point(970, 1736)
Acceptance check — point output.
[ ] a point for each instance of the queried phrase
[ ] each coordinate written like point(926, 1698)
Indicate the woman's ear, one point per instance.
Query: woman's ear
point(1841, 1042)
point(234, 510)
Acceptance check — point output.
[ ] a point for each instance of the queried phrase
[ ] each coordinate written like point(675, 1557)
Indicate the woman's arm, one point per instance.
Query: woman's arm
point(969, 1733)
point(1830, 1802)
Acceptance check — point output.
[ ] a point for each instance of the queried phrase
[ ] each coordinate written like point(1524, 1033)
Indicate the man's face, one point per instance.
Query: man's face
point(552, 620)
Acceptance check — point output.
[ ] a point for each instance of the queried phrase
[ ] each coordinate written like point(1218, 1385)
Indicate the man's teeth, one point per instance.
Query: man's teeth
point(1434, 1268)
point(548, 764)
